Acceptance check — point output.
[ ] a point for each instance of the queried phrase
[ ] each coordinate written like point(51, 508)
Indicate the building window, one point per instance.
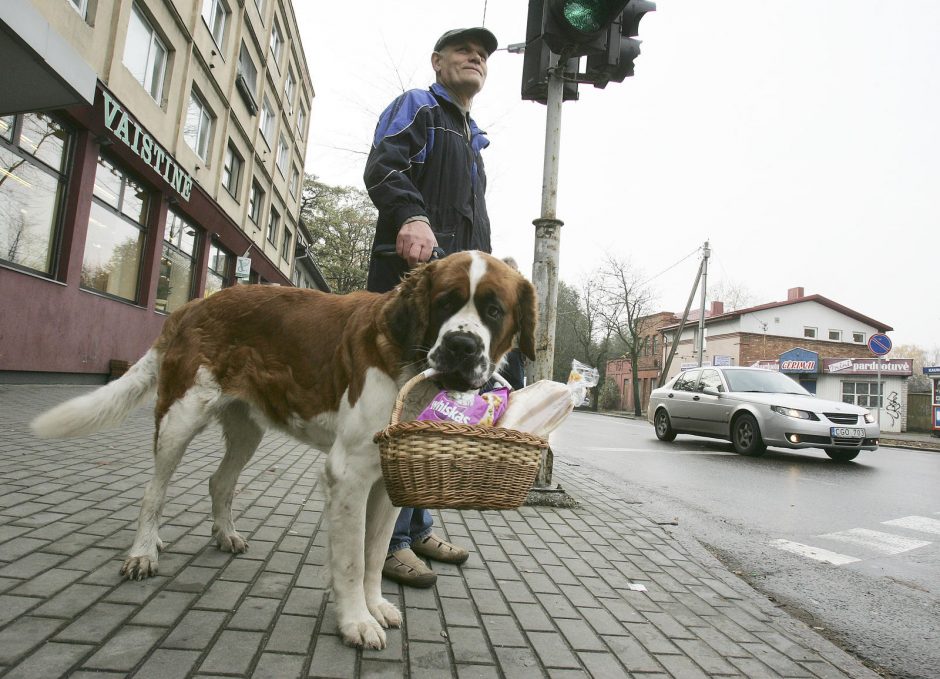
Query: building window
point(294, 184)
point(273, 223)
point(858, 337)
point(219, 274)
point(144, 54)
point(33, 177)
point(232, 171)
point(266, 119)
point(282, 153)
point(864, 394)
point(277, 42)
point(247, 79)
point(260, 5)
point(301, 122)
point(215, 14)
point(255, 202)
point(809, 332)
point(117, 228)
point(286, 245)
point(81, 6)
point(835, 335)
point(198, 127)
point(175, 286)
point(289, 90)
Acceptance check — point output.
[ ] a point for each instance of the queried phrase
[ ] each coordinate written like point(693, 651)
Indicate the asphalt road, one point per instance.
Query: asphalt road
point(852, 549)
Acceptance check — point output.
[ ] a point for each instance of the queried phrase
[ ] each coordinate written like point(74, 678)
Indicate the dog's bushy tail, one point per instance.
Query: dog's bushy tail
point(105, 407)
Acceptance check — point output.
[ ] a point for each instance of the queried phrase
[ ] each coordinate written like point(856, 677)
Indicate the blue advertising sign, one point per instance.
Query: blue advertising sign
point(799, 361)
point(879, 344)
point(932, 370)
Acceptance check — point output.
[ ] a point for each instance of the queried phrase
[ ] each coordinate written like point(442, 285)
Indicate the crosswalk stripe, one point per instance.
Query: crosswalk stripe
point(886, 543)
point(923, 524)
point(813, 552)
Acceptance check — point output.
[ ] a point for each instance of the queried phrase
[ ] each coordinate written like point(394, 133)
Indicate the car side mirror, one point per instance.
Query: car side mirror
point(711, 391)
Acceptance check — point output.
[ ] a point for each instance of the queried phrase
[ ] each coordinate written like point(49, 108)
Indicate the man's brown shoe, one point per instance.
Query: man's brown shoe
point(406, 568)
point(435, 548)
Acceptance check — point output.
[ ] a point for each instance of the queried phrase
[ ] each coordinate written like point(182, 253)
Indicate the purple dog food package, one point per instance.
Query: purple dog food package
point(467, 407)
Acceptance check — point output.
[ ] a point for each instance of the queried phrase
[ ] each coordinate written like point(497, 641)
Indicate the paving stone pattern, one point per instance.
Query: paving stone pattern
point(546, 592)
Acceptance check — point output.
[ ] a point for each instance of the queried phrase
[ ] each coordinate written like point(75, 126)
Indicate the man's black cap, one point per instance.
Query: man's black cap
point(480, 34)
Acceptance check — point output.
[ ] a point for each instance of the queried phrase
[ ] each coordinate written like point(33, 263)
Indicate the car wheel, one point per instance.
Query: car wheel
point(842, 455)
point(664, 431)
point(745, 436)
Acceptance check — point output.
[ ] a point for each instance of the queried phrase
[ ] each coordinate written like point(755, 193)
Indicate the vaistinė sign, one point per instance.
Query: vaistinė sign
point(129, 131)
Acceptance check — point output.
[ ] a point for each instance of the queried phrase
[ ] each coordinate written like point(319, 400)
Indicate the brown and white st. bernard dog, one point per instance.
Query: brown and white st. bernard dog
point(325, 369)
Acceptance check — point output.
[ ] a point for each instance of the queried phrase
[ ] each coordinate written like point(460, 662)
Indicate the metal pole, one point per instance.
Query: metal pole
point(701, 318)
point(547, 243)
point(547, 230)
point(880, 395)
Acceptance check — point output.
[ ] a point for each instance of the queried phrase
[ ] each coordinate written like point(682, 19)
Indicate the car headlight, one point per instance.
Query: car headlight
point(870, 419)
point(793, 412)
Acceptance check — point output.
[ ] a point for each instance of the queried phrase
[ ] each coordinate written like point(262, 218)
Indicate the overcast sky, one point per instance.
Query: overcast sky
point(801, 139)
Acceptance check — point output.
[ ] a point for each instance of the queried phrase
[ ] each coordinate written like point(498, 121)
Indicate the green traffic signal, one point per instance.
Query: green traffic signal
point(590, 16)
point(573, 28)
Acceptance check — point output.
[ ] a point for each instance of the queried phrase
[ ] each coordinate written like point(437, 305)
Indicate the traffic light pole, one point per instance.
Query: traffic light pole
point(547, 244)
point(547, 230)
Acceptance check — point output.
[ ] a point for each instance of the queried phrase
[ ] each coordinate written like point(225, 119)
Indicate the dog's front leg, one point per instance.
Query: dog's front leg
point(350, 475)
point(380, 523)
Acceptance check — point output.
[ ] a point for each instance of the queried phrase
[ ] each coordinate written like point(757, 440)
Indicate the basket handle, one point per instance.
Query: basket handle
point(407, 387)
point(417, 379)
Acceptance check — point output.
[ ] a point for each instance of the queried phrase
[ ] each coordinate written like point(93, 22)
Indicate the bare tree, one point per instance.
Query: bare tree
point(626, 301)
point(592, 329)
point(733, 294)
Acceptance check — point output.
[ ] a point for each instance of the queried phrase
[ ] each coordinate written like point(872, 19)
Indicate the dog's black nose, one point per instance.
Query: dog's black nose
point(462, 344)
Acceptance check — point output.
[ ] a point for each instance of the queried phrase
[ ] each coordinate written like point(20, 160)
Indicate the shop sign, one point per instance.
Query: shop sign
point(243, 268)
point(936, 392)
point(721, 360)
point(766, 365)
point(799, 361)
point(129, 131)
point(932, 370)
point(868, 366)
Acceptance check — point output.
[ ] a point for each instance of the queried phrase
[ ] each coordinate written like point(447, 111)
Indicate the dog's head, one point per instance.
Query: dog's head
point(461, 314)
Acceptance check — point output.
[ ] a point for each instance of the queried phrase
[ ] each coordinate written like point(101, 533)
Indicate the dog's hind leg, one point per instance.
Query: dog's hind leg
point(380, 523)
point(242, 436)
point(350, 474)
point(184, 419)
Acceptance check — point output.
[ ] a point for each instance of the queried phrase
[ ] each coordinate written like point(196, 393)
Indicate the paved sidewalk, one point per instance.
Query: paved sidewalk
point(546, 593)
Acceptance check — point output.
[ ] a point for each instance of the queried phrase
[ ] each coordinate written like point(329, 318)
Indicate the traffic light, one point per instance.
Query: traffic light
point(536, 60)
point(622, 48)
point(574, 28)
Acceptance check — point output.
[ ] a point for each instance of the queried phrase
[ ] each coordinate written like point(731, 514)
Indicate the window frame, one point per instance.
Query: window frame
point(290, 85)
point(286, 244)
point(266, 119)
point(301, 118)
point(858, 337)
point(211, 11)
point(293, 184)
point(13, 144)
point(256, 202)
point(810, 332)
point(274, 226)
point(155, 40)
point(232, 166)
point(276, 43)
point(837, 333)
point(853, 397)
point(246, 79)
point(80, 6)
point(204, 132)
point(283, 155)
point(176, 247)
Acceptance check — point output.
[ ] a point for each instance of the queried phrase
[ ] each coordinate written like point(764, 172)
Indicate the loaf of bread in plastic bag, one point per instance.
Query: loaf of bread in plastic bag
point(538, 408)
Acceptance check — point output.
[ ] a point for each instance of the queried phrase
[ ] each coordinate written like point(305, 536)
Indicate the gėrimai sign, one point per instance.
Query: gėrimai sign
point(143, 145)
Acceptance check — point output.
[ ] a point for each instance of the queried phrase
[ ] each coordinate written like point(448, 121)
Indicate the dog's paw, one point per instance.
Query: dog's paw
point(364, 633)
point(386, 613)
point(231, 542)
point(139, 567)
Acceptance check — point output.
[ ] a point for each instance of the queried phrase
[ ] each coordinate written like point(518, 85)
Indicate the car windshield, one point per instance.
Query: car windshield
point(762, 381)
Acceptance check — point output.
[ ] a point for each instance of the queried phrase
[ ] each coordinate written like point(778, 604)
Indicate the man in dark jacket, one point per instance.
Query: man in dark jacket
point(425, 175)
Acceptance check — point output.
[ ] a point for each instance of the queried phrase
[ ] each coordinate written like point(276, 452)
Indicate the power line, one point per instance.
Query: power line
point(672, 266)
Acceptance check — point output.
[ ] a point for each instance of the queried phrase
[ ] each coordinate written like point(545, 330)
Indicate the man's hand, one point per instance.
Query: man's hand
point(415, 242)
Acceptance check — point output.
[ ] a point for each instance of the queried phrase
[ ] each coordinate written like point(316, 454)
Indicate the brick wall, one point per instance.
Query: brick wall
point(755, 347)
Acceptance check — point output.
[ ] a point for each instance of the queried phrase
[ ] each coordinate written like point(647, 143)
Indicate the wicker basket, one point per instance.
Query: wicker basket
point(445, 465)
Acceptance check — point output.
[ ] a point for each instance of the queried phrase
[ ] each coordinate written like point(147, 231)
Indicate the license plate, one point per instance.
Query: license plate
point(848, 432)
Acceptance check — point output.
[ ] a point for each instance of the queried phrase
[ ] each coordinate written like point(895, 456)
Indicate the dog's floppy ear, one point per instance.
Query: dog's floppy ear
point(406, 315)
point(526, 316)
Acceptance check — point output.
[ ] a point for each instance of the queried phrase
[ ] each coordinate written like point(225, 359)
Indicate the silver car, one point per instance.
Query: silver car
point(755, 408)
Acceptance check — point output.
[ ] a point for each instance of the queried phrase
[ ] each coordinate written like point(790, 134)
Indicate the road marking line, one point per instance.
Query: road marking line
point(919, 523)
point(823, 555)
point(886, 543)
